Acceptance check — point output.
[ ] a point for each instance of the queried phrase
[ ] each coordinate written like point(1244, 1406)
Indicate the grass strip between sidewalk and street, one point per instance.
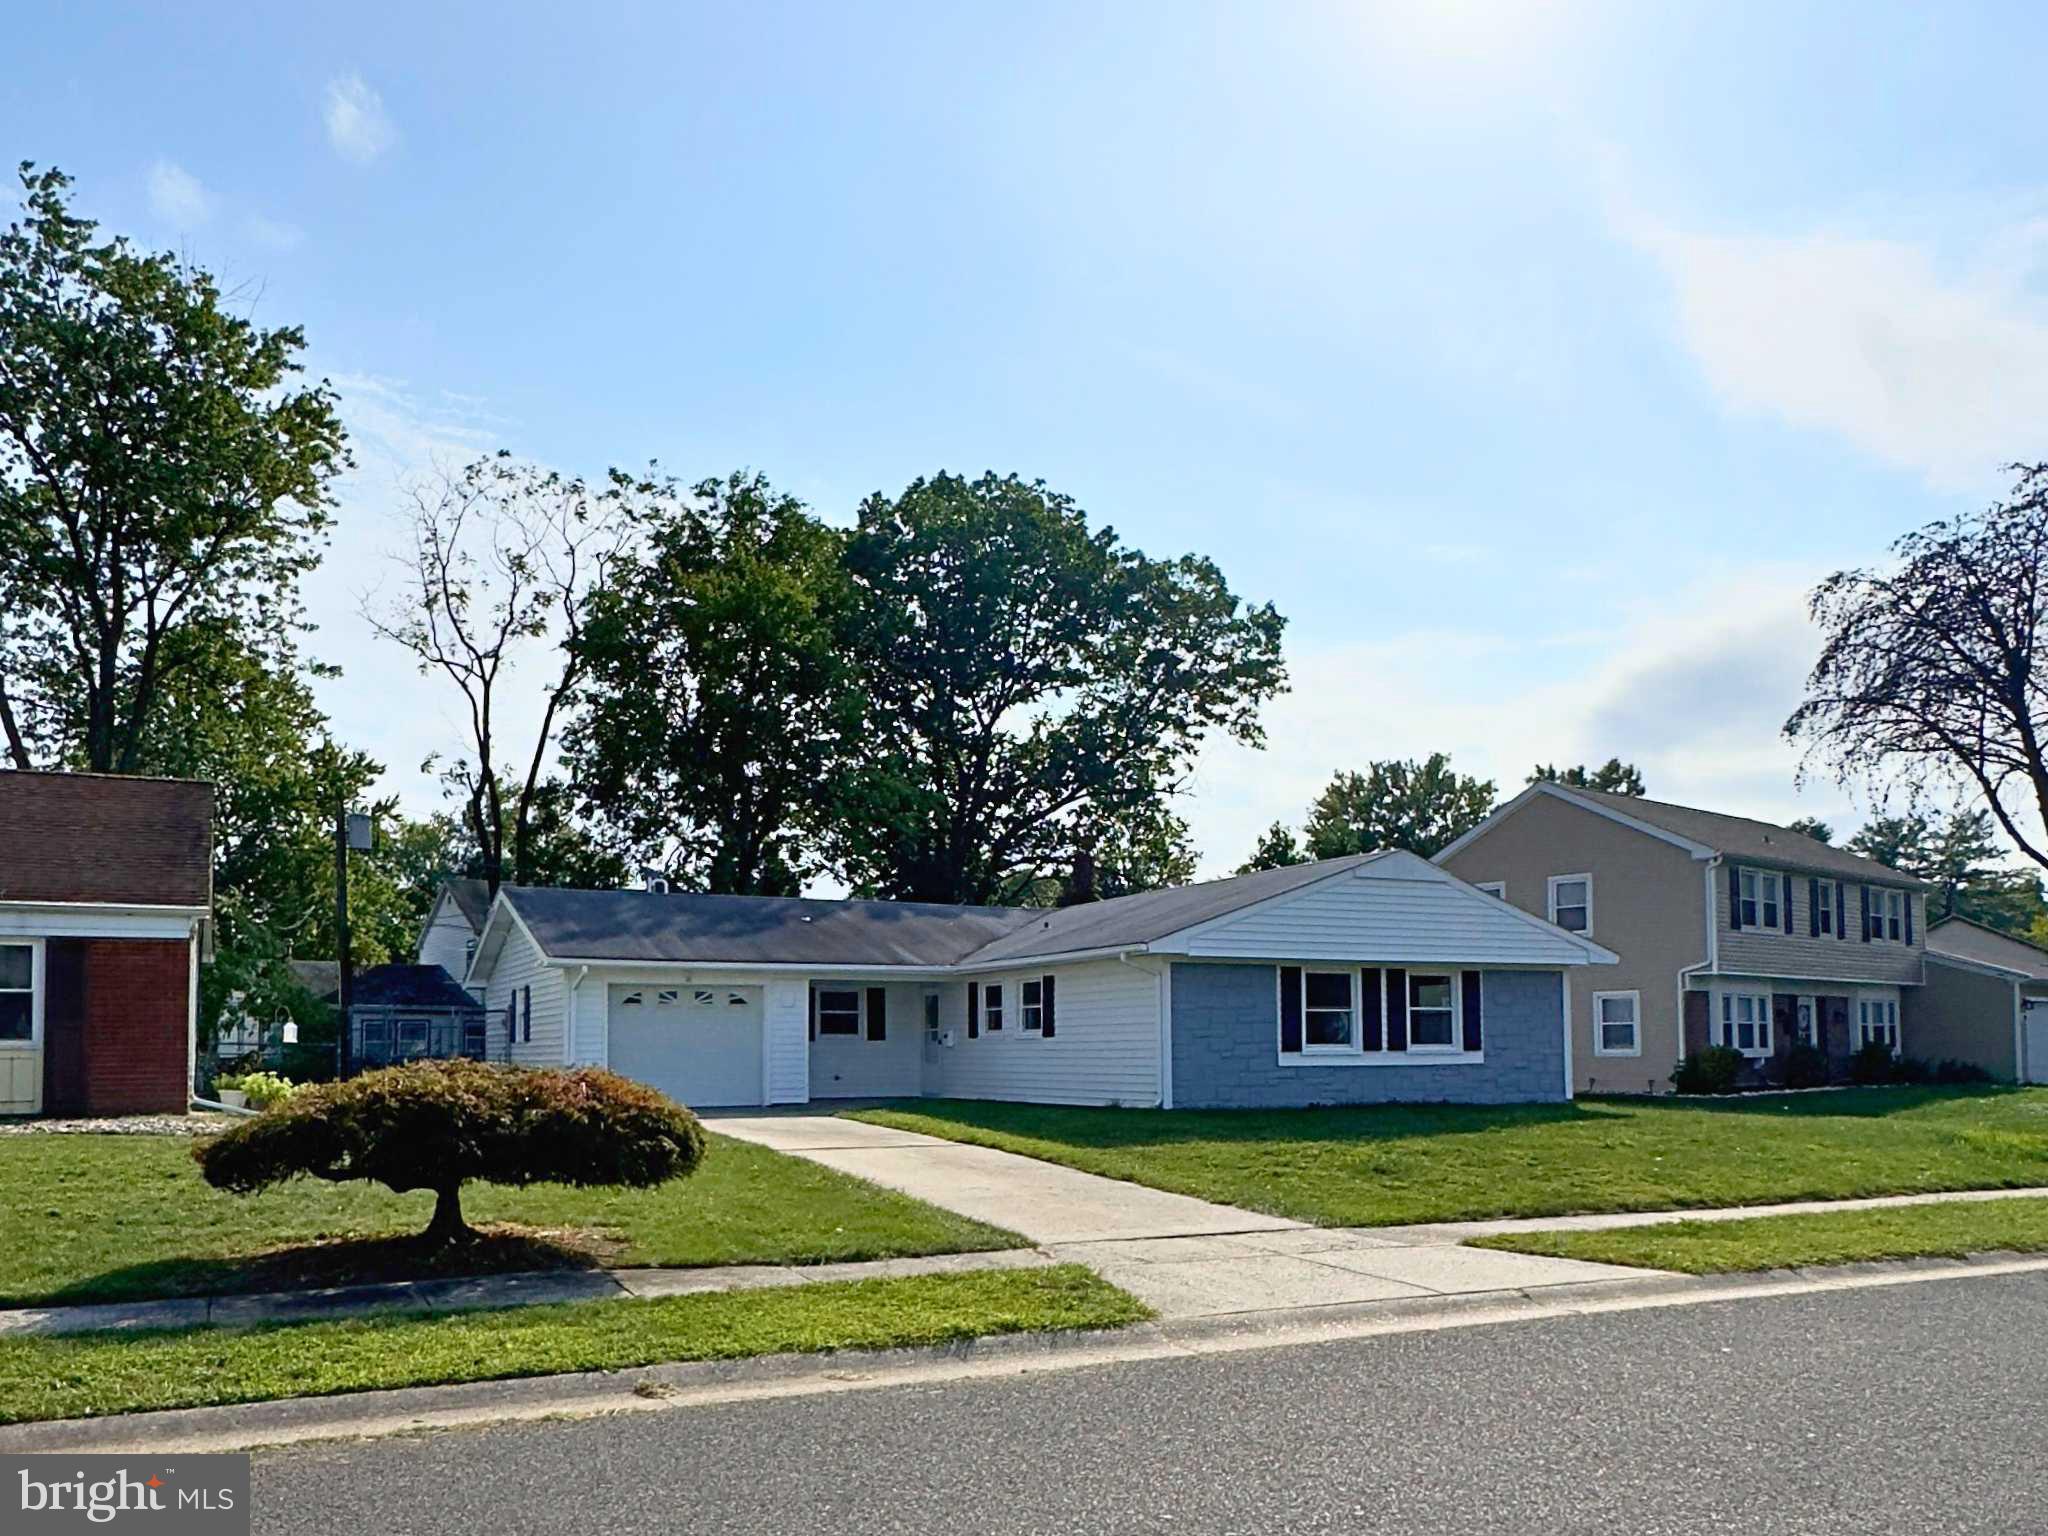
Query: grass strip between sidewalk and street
point(1785, 1242)
point(83, 1375)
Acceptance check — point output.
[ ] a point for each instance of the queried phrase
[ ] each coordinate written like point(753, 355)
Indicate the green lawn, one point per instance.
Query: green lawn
point(1784, 1242)
point(105, 1218)
point(101, 1373)
point(1385, 1165)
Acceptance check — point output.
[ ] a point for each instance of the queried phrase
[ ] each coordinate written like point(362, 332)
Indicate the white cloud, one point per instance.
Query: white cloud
point(272, 233)
point(176, 196)
point(357, 125)
point(1698, 707)
point(1942, 373)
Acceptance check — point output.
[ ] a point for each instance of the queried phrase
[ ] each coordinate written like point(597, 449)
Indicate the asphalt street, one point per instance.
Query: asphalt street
point(1919, 1408)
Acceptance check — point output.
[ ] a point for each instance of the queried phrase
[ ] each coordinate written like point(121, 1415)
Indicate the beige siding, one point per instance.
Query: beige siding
point(1649, 907)
point(520, 966)
point(1773, 952)
point(1961, 1014)
point(1104, 1050)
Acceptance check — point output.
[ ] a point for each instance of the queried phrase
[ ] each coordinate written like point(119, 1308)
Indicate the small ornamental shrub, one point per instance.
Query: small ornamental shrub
point(1953, 1071)
point(1873, 1063)
point(1717, 1069)
point(438, 1124)
point(1911, 1069)
point(261, 1089)
point(1806, 1066)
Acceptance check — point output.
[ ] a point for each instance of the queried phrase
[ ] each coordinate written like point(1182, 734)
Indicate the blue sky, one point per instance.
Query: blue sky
point(1532, 359)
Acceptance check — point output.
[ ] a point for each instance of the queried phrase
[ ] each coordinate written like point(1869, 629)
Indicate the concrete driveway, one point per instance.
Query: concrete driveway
point(1182, 1256)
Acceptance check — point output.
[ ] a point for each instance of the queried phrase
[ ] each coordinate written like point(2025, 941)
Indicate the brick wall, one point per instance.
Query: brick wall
point(136, 998)
point(1226, 1048)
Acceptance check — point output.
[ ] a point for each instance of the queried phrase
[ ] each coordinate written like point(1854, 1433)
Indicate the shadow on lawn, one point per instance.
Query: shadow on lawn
point(1108, 1128)
point(499, 1249)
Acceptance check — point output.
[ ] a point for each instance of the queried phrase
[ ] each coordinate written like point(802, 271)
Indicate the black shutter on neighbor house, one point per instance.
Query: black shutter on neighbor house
point(1785, 895)
point(1472, 993)
point(1045, 1011)
point(1813, 909)
point(1370, 1003)
point(1908, 900)
point(878, 1013)
point(974, 1010)
point(814, 1013)
point(1841, 912)
point(1866, 912)
point(1397, 1009)
point(1734, 897)
point(1290, 1010)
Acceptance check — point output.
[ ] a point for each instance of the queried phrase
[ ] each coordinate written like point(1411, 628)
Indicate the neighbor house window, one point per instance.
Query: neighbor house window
point(1746, 1022)
point(1432, 1010)
point(1328, 1012)
point(1877, 1022)
point(1492, 888)
point(1825, 915)
point(1571, 902)
point(1617, 1024)
point(992, 1003)
point(1761, 890)
point(17, 992)
point(1887, 915)
point(1031, 1006)
point(839, 1012)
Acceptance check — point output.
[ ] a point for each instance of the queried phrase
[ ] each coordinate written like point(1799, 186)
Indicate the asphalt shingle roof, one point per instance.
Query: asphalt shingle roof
point(1739, 837)
point(99, 838)
point(472, 899)
point(1973, 941)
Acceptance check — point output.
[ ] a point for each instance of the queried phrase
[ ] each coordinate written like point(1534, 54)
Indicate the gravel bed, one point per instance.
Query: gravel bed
point(121, 1125)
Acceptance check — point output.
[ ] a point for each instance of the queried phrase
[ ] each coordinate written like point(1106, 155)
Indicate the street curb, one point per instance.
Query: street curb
point(664, 1387)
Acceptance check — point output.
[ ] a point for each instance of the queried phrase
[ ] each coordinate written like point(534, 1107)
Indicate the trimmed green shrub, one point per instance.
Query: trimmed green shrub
point(1717, 1069)
point(1911, 1069)
point(1955, 1072)
point(1806, 1066)
point(438, 1124)
point(1873, 1063)
point(262, 1089)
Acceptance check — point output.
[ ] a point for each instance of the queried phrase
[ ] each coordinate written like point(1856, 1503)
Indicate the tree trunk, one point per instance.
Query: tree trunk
point(448, 1225)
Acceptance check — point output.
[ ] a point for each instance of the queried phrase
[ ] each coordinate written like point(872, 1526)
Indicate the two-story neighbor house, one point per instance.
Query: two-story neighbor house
point(1730, 931)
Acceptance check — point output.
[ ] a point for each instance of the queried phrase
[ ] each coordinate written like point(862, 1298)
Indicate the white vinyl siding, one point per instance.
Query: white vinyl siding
point(520, 966)
point(1104, 1049)
point(1395, 916)
point(785, 1021)
point(855, 1067)
point(447, 938)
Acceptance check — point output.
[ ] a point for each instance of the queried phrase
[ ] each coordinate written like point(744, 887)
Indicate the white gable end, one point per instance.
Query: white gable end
point(1398, 908)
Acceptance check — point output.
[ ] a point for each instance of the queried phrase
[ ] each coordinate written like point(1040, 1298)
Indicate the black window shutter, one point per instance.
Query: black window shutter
point(1785, 895)
point(1841, 912)
point(1397, 1009)
point(1472, 991)
point(814, 1013)
point(878, 1013)
point(974, 1010)
point(1866, 912)
point(1046, 1012)
point(1290, 1010)
point(1734, 897)
point(1370, 1004)
point(1813, 909)
point(526, 1007)
point(1908, 900)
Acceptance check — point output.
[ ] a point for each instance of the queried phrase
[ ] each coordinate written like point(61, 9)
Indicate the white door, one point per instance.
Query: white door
point(2036, 1015)
point(699, 1045)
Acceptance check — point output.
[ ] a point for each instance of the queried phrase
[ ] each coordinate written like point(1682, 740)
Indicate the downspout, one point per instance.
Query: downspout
point(2019, 1032)
point(569, 1021)
point(1163, 981)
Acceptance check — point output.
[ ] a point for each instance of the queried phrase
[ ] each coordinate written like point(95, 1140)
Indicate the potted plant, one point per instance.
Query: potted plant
point(228, 1090)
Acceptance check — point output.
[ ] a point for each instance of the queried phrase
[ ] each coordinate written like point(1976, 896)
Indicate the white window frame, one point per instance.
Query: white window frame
point(1887, 915)
point(1030, 1015)
point(1726, 1022)
point(1887, 1021)
point(1550, 902)
point(1352, 1044)
point(36, 989)
point(860, 1013)
point(1356, 1054)
point(992, 1007)
point(1600, 1045)
point(1492, 888)
point(1755, 909)
point(1827, 916)
point(1456, 980)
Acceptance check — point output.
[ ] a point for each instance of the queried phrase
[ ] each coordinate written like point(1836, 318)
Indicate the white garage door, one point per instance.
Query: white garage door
point(2037, 1041)
point(699, 1045)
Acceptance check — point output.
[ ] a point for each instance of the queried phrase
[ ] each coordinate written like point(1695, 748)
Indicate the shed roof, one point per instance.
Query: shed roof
point(106, 840)
point(1968, 940)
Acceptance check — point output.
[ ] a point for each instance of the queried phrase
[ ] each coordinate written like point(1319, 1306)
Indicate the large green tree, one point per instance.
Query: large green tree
point(1420, 806)
point(163, 482)
point(1614, 776)
point(1025, 678)
point(1959, 855)
point(715, 700)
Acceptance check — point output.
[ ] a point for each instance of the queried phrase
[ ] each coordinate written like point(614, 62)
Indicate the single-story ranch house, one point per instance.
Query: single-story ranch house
point(106, 886)
point(1368, 979)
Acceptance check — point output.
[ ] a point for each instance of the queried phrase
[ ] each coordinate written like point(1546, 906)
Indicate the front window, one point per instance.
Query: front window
point(17, 992)
point(1031, 1006)
point(992, 1002)
point(1761, 891)
point(1327, 1010)
point(1877, 1022)
point(1746, 1022)
point(839, 1012)
point(1888, 915)
point(1617, 1023)
point(1432, 1009)
point(1571, 902)
point(1824, 915)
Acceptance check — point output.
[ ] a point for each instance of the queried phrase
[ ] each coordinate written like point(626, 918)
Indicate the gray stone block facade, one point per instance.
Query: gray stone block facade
point(1226, 1048)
